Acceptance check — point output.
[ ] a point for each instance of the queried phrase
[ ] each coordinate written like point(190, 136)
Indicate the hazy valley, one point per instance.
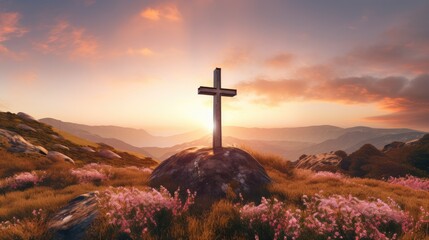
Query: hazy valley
point(290, 143)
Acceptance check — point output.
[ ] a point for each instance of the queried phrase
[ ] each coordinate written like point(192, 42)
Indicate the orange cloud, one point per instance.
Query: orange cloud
point(9, 28)
point(282, 60)
point(151, 14)
point(142, 52)
point(168, 12)
point(406, 99)
point(65, 39)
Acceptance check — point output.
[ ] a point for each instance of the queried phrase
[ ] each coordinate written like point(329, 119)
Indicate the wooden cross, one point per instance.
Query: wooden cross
point(217, 92)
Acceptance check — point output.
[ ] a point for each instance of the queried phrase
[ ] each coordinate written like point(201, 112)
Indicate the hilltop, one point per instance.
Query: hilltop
point(394, 159)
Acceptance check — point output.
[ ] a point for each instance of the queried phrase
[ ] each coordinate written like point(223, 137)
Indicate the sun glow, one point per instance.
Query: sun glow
point(204, 119)
point(208, 126)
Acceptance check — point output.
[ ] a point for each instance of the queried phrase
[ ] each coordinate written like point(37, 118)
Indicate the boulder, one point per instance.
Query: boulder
point(108, 154)
point(42, 150)
point(25, 127)
point(16, 143)
point(88, 149)
point(57, 156)
point(26, 116)
point(54, 136)
point(60, 146)
point(72, 221)
point(321, 161)
point(213, 175)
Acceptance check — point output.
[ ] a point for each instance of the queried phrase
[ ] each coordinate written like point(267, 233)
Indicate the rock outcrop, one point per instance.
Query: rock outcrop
point(57, 156)
point(108, 154)
point(60, 146)
point(26, 116)
point(25, 127)
point(72, 221)
point(14, 142)
point(212, 175)
point(321, 161)
point(42, 150)
point(88, 149)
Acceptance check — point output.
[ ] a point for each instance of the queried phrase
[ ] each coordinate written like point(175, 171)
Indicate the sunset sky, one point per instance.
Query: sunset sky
point(294, 63)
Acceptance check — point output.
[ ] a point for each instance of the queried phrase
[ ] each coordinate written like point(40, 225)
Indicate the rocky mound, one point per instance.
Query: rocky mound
point(26, 116)
point(395, 159)
point(57, 156)
point(17, 137)
point(230, 171)
point(370, 162)
point(108, 154)
point(321, 161)
point(14, 142)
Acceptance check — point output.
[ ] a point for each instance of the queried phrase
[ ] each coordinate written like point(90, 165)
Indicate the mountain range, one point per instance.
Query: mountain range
point(287, 142)
point(395, 159)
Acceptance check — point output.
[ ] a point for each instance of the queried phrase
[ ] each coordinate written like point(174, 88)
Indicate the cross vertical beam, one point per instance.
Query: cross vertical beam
point(217, 112)
point(217, 92)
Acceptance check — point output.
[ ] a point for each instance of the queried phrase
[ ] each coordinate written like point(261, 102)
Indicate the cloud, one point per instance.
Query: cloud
point(403, 49)
point(66, 39)
point(282, 60)
point(146, 52)
point(397, 80)
point(406, 99)
point(168, 12)
point(9, 28)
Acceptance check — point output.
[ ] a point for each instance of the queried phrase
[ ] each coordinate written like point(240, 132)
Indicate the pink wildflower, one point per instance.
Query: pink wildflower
point(22, 180)
point(411, 182)
point(88, 175)
point(284, 223)
point(130, 208)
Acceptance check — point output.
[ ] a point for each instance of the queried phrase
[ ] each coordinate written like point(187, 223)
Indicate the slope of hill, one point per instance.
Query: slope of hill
point(44, 135)
point(135, 137)
point(281, 148)
point(286, 142)
point(28, 211)
point(352, 140)
point(396, 159)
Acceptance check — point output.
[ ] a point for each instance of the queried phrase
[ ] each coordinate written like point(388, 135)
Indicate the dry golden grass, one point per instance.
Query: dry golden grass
point(20, 204)
point(14, 163)
point(74, 139)
point(34, 229)
point(272, 162)
point(127, 177)
point(221, 221)
point(291, 189)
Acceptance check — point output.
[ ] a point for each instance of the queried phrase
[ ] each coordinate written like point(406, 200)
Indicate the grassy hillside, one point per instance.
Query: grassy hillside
point(59, 185)
point(403, 159)
point(220, 221)
point(34, 188)
point(48, 138)
point(74, 139)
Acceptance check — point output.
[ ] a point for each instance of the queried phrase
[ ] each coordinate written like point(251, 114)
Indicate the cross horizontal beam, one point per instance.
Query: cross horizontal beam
point(213, 91)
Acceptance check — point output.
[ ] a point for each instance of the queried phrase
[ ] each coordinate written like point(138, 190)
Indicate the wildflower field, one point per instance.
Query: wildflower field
point(301, 204)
